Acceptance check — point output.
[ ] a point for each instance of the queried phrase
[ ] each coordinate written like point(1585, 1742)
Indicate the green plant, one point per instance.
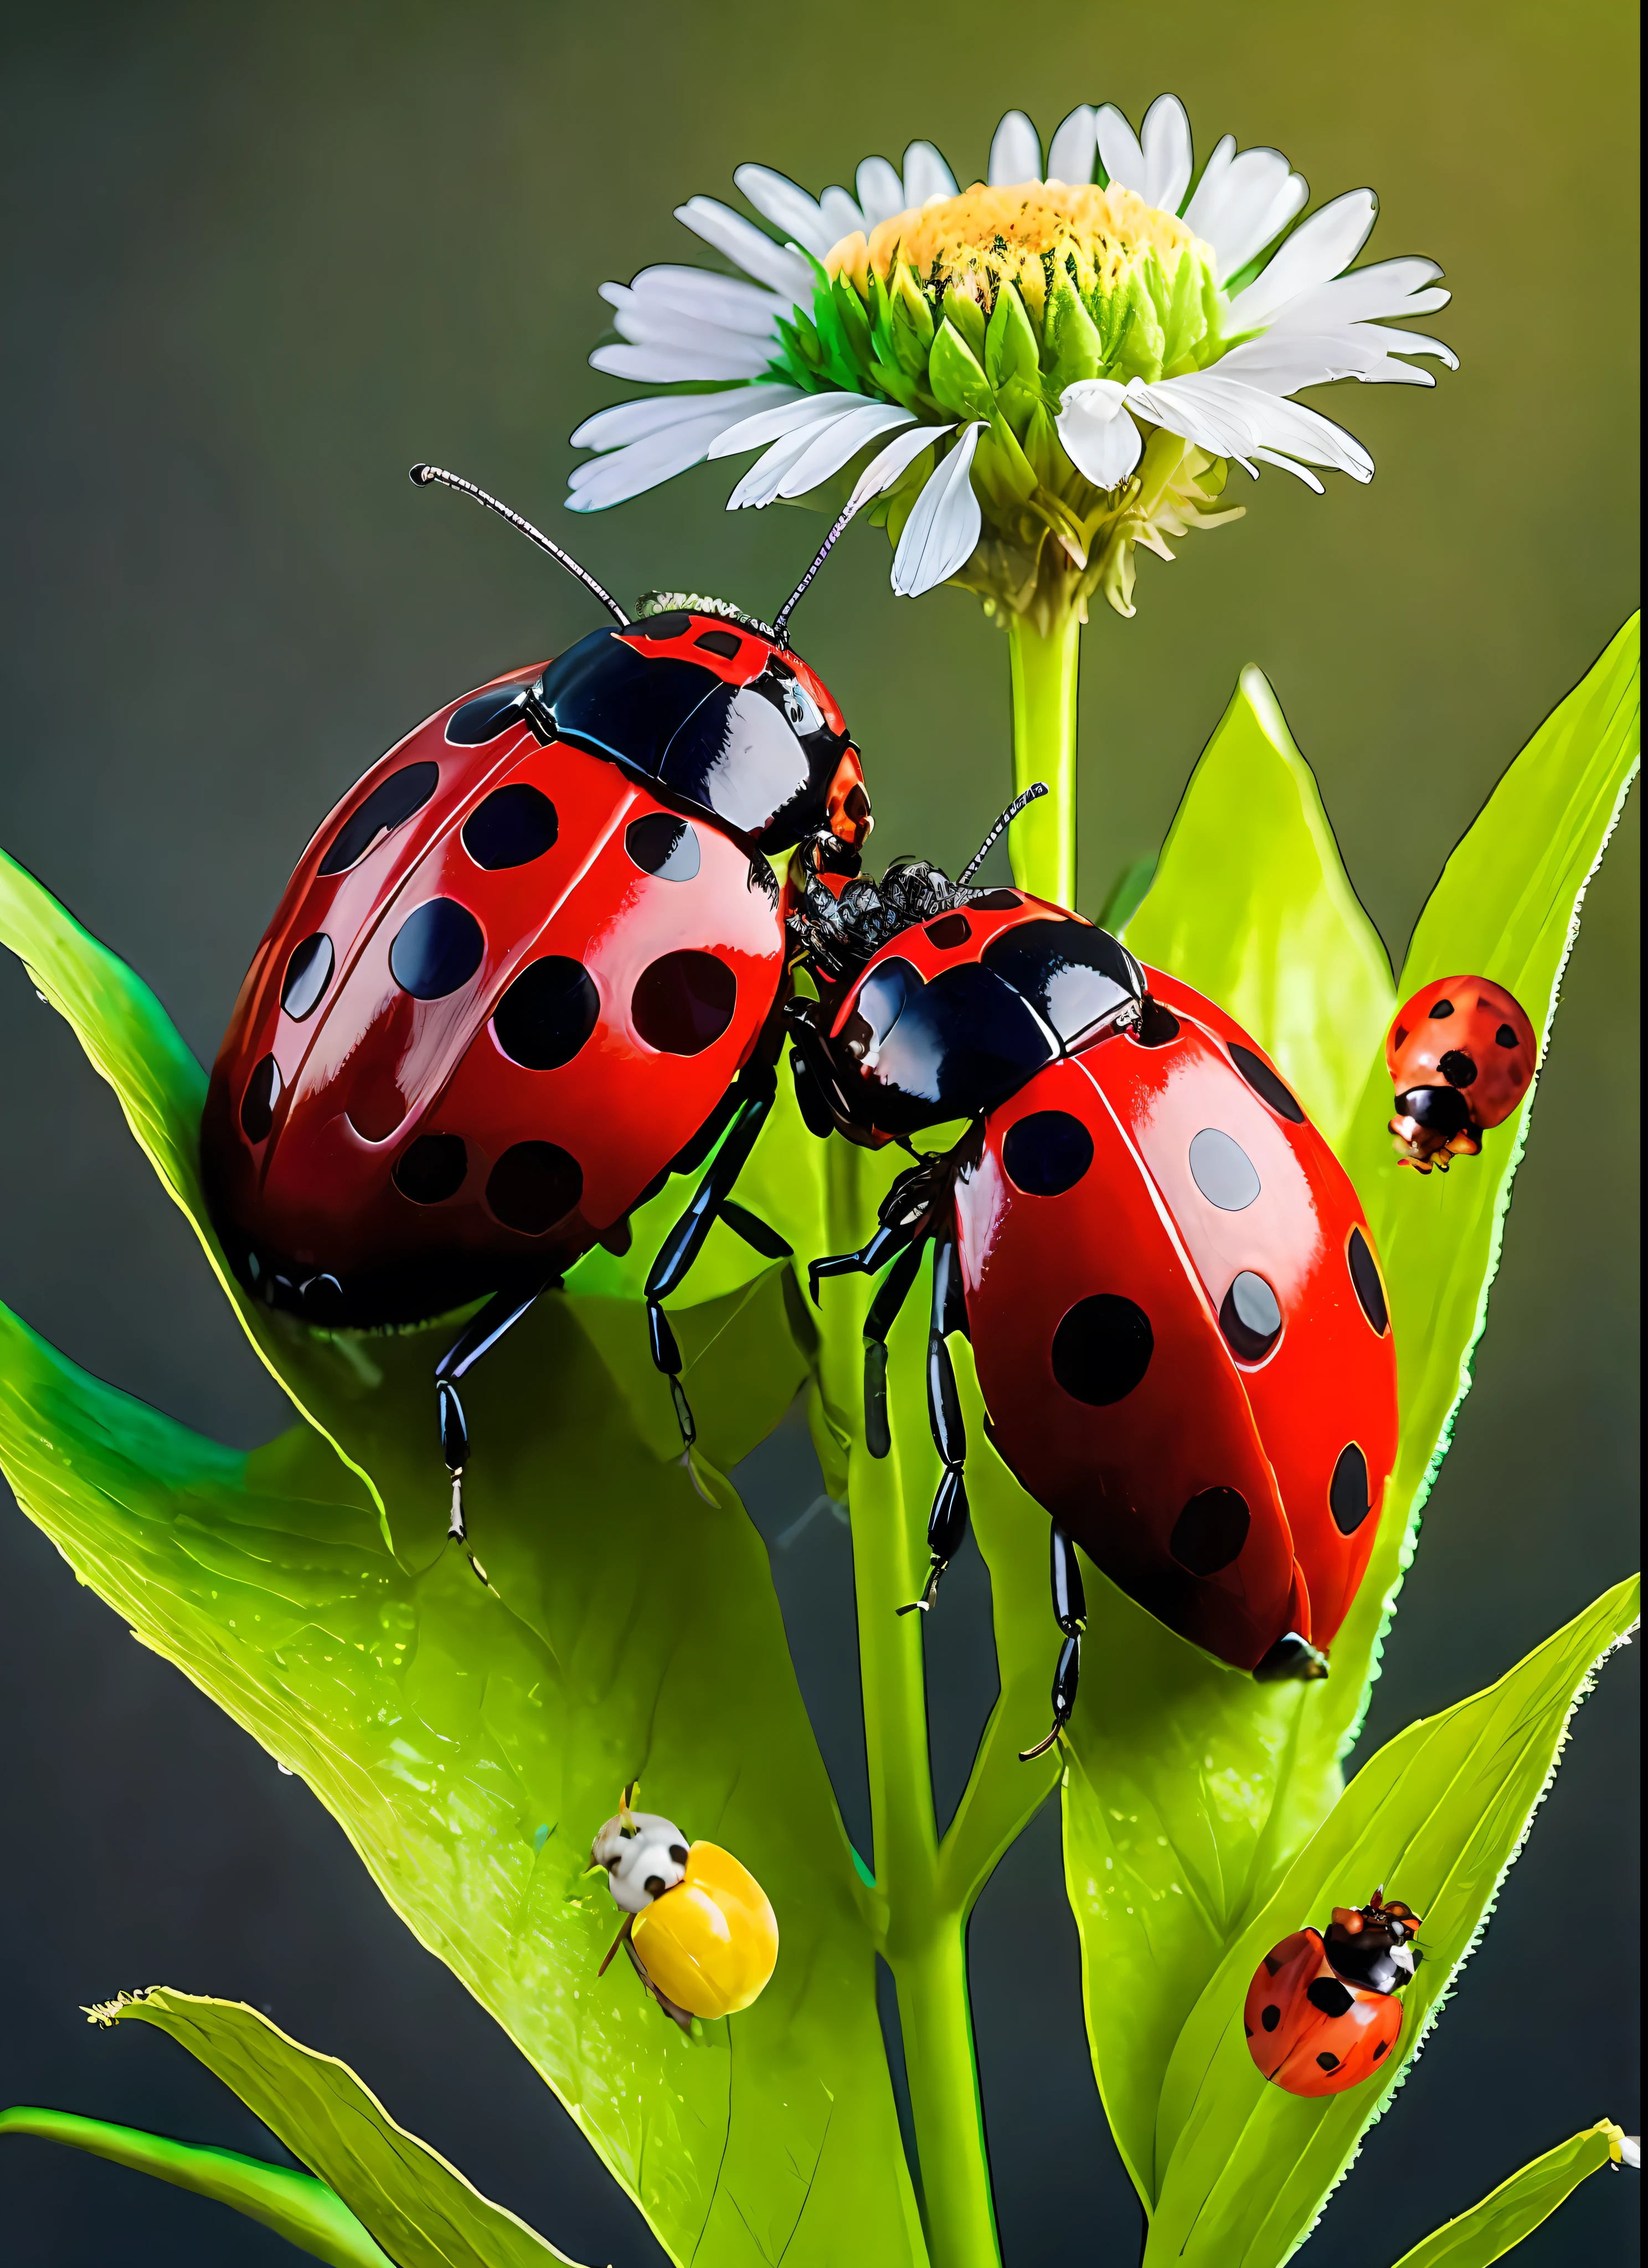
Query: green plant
point(470, 1736)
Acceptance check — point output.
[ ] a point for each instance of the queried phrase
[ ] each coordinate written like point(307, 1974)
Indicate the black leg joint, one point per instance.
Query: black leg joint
point(454, 1433)
point(877, 1433)
point(665, 1353)
point(1069, 1602)
point(947, 1522)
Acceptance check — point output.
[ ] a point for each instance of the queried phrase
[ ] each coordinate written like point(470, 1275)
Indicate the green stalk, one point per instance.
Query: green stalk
point(1043, 839)
point(925, 1938)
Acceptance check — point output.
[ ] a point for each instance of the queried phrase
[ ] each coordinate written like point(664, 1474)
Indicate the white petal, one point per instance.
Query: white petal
point(881, 471)
point(666, 365)
point(1071, 152)
point(648, 320)
point(1631, 2150)
point(1241, 202)
point(1299, 472)
point(778, 199)
point(1323, 246)
point(1099, 439)
point(881, 191)
point(725, 300)
point(743, 242)
point(1283, 361)
point(1389, 287)
point(1015, 153)
point(1119, 148)
point(828, 451)
point(1165, 139)
point(638, 421)
point(1231, 419)
point(943, 530)
point(841, 217)
point(926, 174)
point(761, 484)
point(773, 422)
point(645, 464)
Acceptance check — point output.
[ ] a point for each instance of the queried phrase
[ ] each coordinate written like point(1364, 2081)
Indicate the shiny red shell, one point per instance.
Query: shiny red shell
point(1468, 1035)
point(1231, 1487)
point(1295, 2042)
point(381, 1157)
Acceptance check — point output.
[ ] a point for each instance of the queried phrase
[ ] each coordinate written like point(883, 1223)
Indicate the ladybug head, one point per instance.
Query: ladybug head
point(1373, 1945)
point(709, 705)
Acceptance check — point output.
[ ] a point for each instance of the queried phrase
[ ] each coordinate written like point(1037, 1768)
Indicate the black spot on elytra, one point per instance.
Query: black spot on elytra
point(1211, 1531)
point(1270, 2018)
point(1380, 2049)
point(683, 1003)
point(1365, 1277)
point(1401, 1035)
point(391, 802)
point(1505, 1037)
point(660, 626)
point(1103, 1349)
point(1271, 1964)
point(432, 1168)
point(438, 949)
point(534, 1185)
point(1047, 1153)
point(1329, 2062)
point(1250, 1317)
point(948, 931)
point(1348, 1491)
point(1458, 1068)
point(1443, 1010)
point(993, 901)
point(1329, 1995)
point(726, 643)
point(510, 828)
point(546, 1015)
point(664, 846)
point(1266, 1085)
point(257, 1104)
point(308, 973)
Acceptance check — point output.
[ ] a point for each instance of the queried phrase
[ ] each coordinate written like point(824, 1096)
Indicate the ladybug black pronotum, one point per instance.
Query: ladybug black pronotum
point(532, 963)
point(1177, 1317)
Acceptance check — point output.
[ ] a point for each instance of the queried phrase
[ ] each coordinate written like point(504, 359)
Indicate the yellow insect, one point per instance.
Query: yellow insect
point(697, 1926)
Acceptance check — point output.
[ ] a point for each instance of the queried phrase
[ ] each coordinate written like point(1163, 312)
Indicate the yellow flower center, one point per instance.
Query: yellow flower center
point(975, 242)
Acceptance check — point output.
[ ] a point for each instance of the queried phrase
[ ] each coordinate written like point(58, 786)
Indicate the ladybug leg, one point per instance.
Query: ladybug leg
point(686, 1240)
point(883, 1308)
point(1070, 1611)
point(478, 1337)
point(947, 1522)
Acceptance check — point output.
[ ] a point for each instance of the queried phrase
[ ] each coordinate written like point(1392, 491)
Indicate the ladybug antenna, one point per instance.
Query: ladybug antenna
point(781, 624)
point(422, 476)
point(1030, 795)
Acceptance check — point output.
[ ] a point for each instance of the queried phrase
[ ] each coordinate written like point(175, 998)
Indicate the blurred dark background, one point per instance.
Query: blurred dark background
point(258, 259)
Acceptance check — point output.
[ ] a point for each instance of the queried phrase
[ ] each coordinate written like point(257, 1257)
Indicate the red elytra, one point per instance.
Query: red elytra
point(1461, 1054)
point(1322, 2015)
point(1180, 1329)
point(460, 1058)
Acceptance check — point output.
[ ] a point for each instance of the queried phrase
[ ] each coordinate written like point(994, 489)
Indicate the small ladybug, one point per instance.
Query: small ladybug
point(1461, 1053)
point(698, 1927)
point(1321, 2014)
point(530, 966)
point(1180, 1328)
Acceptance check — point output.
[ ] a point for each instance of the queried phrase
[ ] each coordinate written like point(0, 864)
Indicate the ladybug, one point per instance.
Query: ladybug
point(1461, 1054)
point(698, 1927)
point(529, 966)
point(1321, 2014)
point(1181, 1331)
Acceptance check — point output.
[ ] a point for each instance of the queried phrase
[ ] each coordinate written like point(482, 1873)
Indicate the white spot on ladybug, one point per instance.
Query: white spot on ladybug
point(1223, 1171)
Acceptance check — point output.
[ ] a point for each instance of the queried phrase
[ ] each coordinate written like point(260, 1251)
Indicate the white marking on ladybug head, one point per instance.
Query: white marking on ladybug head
point(643, 1853)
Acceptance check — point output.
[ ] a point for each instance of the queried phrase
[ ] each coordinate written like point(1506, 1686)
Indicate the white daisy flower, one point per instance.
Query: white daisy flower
point(1028, 376)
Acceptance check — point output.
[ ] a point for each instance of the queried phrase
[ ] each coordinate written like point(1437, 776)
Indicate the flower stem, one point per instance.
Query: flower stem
point(1044, 838)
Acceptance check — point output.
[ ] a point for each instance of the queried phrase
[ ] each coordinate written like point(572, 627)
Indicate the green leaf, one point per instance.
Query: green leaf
point(1190, 1788)
point(1075, 348)
point(1252, 905)
point(420, 2210)
point(958, 384)
point(1517, 2207)
point(1010, 344)
point(1438, 1817)
point(470, 1737)
point(294, 2205)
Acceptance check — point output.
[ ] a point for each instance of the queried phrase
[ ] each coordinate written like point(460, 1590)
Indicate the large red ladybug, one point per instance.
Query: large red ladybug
point(529, 964)
point(1461, 1053)
point(1321, 2014)
point(1180, 1332)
